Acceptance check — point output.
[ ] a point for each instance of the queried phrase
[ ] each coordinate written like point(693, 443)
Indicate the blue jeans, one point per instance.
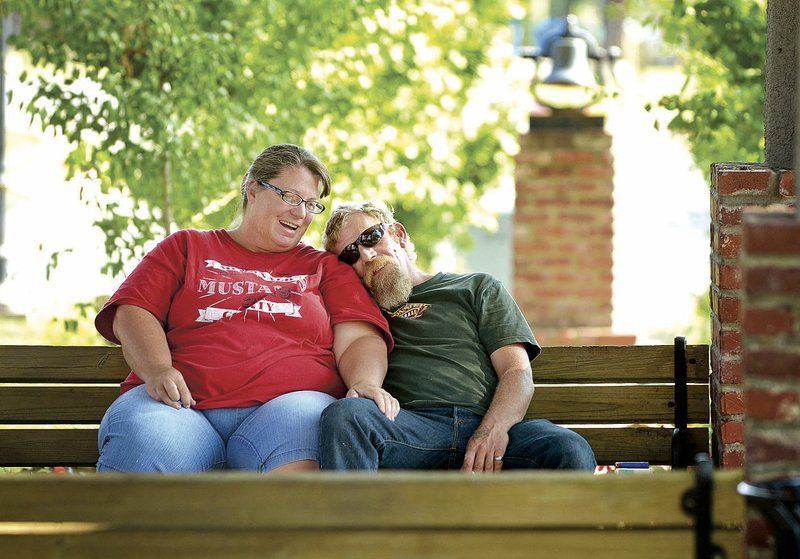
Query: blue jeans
point(140, 434)
point(355, 435)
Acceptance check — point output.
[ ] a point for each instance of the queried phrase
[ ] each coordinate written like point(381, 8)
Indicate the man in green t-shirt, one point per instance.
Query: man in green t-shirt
point(460, 367)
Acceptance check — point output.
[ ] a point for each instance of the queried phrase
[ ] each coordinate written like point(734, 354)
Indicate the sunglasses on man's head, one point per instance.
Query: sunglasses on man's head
point(368, 238)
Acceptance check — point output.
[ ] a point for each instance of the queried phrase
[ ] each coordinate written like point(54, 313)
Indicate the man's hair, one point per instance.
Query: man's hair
point(274, 159)
point(342, 213)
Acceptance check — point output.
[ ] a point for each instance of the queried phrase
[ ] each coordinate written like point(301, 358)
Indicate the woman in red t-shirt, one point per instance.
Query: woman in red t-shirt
point(239, 338)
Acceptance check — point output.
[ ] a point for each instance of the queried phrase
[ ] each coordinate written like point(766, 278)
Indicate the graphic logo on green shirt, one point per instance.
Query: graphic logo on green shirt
point(411, 311)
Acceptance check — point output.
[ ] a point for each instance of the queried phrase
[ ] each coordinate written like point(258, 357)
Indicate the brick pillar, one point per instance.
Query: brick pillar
point(562, 231)
point(770, 264)
point(733, 188)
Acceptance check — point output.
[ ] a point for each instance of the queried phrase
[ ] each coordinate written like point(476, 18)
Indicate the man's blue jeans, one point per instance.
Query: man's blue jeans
point(355, 435)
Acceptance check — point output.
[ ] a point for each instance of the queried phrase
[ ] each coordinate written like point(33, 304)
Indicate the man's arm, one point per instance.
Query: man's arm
point(361, 357)
point(508, 407)
point(145, 348)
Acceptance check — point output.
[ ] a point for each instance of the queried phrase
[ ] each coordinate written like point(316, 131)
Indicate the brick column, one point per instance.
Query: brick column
point(770, 264)
point(562, 231)
point(771, 325)
point(733, 188)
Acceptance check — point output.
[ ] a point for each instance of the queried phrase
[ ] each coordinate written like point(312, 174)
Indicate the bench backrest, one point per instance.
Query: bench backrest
point(621, 398)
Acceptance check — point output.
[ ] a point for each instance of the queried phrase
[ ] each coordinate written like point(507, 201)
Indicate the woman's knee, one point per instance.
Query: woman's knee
point(282, 431)
point(139, 434)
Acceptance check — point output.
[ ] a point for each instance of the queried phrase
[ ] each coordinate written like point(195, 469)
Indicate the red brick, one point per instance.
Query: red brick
point(772, 280)
point(730, 215)
point(730, 371)
point(732, 459)
point(733, 182)
point(567, 156)
point(730, 277)
point(732, 432)
point(556, 171)
point(538, 158)
point(770, 405)
point(729, 309)
point(787, 184)
point(768, 322)
point(764, 451)
point(731, 403)
point(772, 363)
point(771, 234)
point(729, 245)
point(730, 342)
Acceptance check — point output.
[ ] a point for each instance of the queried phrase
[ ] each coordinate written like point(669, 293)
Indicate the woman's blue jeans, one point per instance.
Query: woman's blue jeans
point(355, 435)
point(140, 434)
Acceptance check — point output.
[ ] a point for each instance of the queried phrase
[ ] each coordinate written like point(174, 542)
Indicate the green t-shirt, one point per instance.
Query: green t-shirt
point(444, 336)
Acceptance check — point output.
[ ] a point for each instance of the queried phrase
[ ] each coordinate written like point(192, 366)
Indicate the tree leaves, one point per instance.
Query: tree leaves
point(722, 44)
point(166, 102)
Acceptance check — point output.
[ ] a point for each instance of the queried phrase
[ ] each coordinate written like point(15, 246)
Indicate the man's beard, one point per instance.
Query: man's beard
point(392, 286)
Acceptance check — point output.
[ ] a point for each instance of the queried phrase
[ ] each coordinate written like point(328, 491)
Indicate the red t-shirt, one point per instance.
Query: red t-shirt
point(245, 327)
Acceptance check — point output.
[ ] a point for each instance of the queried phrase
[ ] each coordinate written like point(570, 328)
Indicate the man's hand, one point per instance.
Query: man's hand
point(485, 450)
point(387, 403)
point(168, 386)
point(487, 446)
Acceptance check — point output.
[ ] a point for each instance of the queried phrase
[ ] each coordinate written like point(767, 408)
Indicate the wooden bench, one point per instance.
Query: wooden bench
point(441, 515)
point(51, 399)
point(628, 401)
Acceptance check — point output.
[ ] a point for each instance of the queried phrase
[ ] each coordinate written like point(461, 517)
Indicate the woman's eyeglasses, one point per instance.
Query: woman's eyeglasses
point(294, 199)
point(368, 238)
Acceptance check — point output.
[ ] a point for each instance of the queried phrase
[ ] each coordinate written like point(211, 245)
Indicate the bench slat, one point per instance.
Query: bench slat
point(640, 443)
point(78, 446)
point(55, 404)
point(363, 544)
point(614, 404)
point(586, 364)
point(33, 363)
point(344, 500)
point(48, 447)
point(556, 364)
point(572, 405)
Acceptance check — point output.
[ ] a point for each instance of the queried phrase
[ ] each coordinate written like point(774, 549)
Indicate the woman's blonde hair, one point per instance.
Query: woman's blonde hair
point(274, 159)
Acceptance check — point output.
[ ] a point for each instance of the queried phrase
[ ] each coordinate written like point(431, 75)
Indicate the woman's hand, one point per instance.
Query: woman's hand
point(144, 345)
point(387, 403)
point(168, 386)
point(360, 353)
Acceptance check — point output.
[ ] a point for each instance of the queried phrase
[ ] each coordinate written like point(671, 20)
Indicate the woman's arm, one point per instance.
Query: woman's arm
point(361, 356)
point(144, 345)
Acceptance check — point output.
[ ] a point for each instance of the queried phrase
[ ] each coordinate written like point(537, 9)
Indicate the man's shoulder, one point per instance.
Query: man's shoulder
point(467, 278)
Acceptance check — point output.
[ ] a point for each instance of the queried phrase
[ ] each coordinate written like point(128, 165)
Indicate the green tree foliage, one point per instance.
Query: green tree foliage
point(722, 45)
point(166, 102)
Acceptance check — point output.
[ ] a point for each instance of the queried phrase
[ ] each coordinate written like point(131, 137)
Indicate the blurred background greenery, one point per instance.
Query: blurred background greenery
point(160, 106)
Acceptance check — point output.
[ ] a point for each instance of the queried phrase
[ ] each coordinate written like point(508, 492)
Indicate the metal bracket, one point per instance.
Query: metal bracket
point(680, 435)
point(697, 502)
